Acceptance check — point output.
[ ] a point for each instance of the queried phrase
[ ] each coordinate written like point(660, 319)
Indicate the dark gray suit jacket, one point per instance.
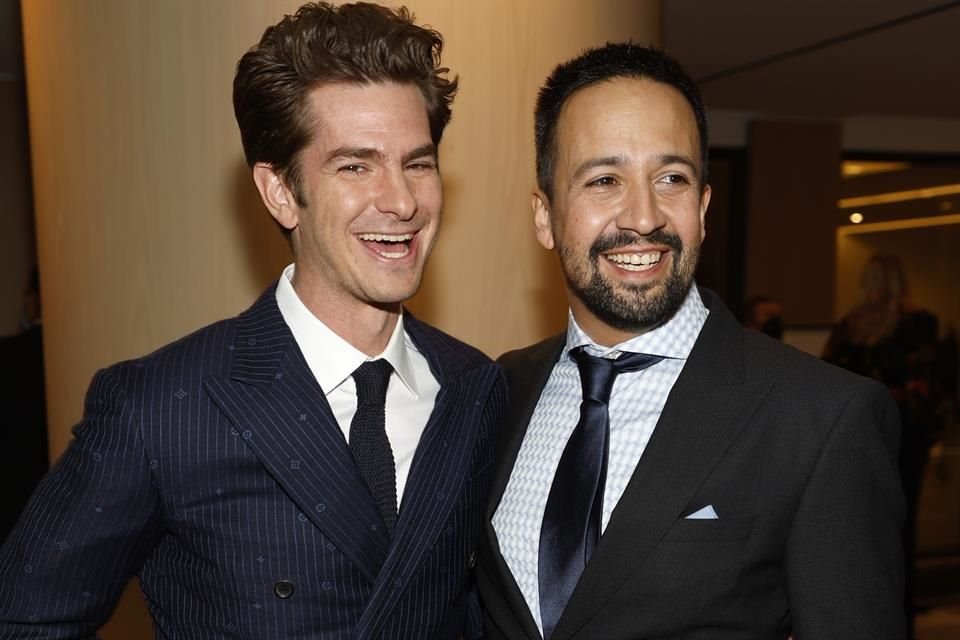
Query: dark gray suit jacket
point(215, 471)
point(797, 457)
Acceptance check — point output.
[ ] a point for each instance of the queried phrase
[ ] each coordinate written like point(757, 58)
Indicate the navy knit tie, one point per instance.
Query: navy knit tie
point(571, 521)
point(368, 437)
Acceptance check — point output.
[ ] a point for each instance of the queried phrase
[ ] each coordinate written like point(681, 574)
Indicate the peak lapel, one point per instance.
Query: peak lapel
point(705, 410)
point(437, 475)
point(276, 406)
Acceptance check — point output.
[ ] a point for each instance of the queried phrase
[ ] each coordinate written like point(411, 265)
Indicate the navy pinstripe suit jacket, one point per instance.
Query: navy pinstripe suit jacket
point(214, 469)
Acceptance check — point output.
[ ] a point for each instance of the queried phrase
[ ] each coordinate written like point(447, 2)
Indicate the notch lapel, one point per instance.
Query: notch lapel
point(277, 407)
point(527, 375)
point(705, 411)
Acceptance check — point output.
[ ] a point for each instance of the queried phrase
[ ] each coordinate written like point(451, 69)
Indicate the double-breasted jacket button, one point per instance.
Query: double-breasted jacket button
point(283, 589)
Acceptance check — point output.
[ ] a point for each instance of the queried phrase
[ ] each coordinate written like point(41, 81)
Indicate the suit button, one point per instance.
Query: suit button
point(473, 559)
point(283, 589)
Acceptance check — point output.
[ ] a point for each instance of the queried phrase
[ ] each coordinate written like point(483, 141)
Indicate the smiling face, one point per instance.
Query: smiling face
point(627, 211)
point(373, 198)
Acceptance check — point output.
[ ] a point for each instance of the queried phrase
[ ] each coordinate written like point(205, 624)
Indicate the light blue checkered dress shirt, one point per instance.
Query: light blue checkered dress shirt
point(636, 403)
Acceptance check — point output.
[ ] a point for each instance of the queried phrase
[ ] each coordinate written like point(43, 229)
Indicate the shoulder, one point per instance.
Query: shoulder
point(440, 346)
point(767, 356)
point(210, 349)
point(770, 360)
point(803, 379)
point(205, 351)
point(206, 348)
point(520, 360)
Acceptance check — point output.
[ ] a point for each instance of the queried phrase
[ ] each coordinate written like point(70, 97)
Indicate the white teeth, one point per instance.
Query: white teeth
point(395, 252)
point(635, 261)
point(394, 255)
point(383, 237)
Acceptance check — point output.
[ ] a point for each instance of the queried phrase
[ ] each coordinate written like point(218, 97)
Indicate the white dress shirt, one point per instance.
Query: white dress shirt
point(332, 361)
point(635, 405)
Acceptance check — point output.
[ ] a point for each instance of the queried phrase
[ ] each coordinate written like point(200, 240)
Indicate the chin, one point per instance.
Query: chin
point(394, 295)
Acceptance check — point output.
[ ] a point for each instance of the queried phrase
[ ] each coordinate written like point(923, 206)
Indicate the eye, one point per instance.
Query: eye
point(355, 169)
point(422, 166)
point(603, 181)
point(674, 178)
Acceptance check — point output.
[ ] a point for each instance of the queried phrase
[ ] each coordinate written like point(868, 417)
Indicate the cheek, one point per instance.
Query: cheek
point(429, 194)
point(584, 224)
point(687, 222)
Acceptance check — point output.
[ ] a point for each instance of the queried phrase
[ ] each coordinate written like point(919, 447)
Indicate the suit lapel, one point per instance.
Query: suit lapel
point(705, 411)
point(437, 475)
point(276, 406)
point(526, 379)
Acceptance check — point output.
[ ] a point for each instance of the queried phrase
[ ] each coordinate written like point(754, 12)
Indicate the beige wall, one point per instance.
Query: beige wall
point(148, 225)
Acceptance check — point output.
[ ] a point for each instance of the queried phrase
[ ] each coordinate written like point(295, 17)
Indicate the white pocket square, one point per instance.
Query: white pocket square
point(707, 513)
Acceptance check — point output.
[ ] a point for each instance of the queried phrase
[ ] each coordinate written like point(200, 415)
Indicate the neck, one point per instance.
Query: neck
point(365, 326)
point(597, 330)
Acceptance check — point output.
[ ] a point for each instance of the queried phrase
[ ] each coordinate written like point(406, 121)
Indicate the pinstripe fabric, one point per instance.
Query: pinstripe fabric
point(213, 469)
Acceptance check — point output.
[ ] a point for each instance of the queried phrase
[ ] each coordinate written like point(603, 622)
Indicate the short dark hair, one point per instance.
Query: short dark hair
point(614, 60)
point(321, 43)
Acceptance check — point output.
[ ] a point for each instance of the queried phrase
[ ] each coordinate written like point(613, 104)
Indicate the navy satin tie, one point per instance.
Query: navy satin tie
point(572, 519)
point(368, 437)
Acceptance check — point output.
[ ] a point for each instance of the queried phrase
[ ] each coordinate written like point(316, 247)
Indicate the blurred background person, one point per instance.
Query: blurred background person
point(23, 436)
point(763, 314)
point(887, 338)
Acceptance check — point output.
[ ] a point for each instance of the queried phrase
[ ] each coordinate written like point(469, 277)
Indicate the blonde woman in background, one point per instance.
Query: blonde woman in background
point(887, 338)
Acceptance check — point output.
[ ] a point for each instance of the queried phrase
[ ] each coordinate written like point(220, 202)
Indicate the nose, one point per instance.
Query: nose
point(396, 197)
point(641, 212)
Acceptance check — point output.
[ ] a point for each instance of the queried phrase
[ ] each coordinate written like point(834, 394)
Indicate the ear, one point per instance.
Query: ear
point(541, 219)
point(276, 196)
point(704, 203)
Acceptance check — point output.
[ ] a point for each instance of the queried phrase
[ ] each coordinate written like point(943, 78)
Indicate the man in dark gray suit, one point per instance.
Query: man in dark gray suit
point(318, 466)
point(667, 474)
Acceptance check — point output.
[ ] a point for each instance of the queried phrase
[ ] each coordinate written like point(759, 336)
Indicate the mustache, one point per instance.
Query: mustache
point(627, 238)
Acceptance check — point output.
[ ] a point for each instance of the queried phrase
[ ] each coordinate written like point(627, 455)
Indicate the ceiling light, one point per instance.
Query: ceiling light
point(851, 168)
point(900, 196)
point(856, 218)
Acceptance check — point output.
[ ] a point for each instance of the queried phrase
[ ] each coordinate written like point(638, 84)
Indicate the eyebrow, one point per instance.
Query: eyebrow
point(677, 159)
point(423, 151)
point(368, 153)
point(592, 163)
point(616, 161)
point(362, 153)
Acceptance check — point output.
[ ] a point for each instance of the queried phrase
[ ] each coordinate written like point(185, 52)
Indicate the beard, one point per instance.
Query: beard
point(631, 308)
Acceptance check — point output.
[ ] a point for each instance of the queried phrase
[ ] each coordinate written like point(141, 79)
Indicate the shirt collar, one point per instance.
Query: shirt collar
point(673, 339)
point(331, 358)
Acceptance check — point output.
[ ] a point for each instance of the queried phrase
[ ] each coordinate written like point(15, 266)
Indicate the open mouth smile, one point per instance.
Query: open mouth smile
point(635, 261)
point(389, 246)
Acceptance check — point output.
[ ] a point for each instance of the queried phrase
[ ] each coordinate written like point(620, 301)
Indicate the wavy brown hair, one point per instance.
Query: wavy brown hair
point(322, 44)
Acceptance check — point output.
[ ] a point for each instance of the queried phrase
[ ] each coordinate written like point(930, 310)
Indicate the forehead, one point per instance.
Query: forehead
point(388, 112)
point(625, 114)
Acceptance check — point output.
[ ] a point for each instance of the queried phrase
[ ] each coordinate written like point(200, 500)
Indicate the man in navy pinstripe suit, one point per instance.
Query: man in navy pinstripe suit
point(220, 469)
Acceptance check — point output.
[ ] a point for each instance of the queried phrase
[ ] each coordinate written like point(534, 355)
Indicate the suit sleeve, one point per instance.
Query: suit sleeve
point(87, 529)
point(843, 557)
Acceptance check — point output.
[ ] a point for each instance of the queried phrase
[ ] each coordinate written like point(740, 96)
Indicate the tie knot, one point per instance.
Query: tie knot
point(372, 378)
point(597, 374)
